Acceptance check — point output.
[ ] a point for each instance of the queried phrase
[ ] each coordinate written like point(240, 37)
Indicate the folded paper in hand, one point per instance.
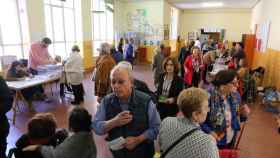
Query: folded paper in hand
point(116, 144)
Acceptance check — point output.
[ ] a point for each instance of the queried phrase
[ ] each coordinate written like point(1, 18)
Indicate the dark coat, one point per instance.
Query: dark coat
point(175, 89)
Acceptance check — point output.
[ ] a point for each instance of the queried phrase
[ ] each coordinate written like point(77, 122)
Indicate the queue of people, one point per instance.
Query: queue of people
point(184, 118)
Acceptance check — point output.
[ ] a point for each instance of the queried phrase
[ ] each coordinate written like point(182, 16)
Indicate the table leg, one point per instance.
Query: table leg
point(29, 104)
point(15, 104)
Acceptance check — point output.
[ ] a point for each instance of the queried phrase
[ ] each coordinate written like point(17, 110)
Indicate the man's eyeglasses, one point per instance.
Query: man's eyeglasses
point(117, 81)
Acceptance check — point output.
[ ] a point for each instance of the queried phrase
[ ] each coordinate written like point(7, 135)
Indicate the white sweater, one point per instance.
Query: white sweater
point(74, 69)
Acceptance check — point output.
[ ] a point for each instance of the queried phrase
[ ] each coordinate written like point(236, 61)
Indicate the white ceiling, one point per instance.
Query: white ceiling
point(198, 4)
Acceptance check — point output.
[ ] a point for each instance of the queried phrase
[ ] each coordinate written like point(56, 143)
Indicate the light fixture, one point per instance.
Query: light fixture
point(212, 4)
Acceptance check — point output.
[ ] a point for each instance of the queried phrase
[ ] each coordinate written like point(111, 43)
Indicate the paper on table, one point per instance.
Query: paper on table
point(116, 144)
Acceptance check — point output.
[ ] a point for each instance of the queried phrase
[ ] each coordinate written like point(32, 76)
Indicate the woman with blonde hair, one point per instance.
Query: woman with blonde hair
point(181, 136)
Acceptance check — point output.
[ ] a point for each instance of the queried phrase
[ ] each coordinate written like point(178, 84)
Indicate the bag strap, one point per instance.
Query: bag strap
point(240, 135)
point(178, 141)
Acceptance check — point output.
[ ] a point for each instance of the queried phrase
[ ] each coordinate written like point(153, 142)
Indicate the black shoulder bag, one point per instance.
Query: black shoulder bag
point(178, 141)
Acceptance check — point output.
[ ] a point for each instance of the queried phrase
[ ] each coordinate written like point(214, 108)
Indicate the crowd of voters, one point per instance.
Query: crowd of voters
point(194, 112)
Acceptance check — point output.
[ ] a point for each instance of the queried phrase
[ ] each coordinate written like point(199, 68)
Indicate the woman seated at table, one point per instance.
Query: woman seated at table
point(18, 72)
point(169, 87)
point(79, 145)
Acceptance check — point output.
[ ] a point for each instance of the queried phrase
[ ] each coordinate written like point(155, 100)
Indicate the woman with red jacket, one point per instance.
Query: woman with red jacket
point(193, 66)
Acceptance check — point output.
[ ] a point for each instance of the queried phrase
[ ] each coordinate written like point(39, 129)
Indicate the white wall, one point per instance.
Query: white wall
point(268, 10)
point(36, 19)
point(235, 21)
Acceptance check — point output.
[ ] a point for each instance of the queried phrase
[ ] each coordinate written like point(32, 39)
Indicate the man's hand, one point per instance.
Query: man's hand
point(122, 118)
point(132, 142)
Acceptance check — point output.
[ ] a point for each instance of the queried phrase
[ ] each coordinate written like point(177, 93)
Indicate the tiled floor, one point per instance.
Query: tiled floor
point(260, 138)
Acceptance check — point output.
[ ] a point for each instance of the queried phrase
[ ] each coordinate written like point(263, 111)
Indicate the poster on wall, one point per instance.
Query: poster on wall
point(191, 35)
point(262, 33)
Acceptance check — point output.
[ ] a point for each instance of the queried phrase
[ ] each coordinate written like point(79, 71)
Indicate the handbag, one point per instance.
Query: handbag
point(178, 141)
point(232, 153)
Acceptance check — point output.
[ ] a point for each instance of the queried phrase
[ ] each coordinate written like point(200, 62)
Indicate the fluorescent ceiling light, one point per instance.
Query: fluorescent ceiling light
point(212, 4)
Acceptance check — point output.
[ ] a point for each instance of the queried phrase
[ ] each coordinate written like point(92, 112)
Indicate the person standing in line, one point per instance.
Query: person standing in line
point(157, 64)
point(128, 116)
point(104, 64)
point(170, 85)
point(75, 74)
point(6, 102)
point(193, 103)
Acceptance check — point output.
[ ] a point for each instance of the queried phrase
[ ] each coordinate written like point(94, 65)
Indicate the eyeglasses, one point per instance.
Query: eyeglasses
point(169, 64)
point(117, 81)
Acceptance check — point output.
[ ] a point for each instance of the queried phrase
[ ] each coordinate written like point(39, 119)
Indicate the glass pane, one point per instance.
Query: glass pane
point(69, 24)
point(95, 4)
point(26, 49)
point(103, 26)
point(96, 45)
point(69, 46)
point(51, 50)
point(96, 24)
point(1, 51)
point(24, 21)
point(47, 1)
point(102, 5)
point(56, 2)
point(48, 21)
point(69, 3)
point(58, 24)
point(9, 24)
point(110, 26)
point(59, 49)
point(13, 50)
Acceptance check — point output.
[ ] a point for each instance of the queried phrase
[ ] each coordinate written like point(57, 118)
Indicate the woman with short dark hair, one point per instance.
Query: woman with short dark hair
point(79, 145)
point(41, 130)
point(192, 142)
point(222, 120)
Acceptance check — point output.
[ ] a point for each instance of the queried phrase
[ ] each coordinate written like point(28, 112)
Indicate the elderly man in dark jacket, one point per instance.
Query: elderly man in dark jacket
point(128, 116)
point(6, 102)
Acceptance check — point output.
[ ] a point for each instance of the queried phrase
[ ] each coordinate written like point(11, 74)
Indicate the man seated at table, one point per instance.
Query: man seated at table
point(39, 55)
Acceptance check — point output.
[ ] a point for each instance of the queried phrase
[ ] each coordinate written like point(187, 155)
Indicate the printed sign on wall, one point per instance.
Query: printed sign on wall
point(262, 33)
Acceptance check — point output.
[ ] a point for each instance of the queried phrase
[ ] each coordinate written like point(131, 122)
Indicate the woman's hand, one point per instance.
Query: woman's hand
point(169, 100)
point(31, 148)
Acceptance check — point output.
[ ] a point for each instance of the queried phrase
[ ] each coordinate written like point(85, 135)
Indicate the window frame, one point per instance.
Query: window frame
point(65, 41)
point(22, 43)
point(101, 11)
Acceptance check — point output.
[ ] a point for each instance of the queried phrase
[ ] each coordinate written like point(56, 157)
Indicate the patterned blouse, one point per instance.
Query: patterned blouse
point(217, 117)
point(196, 145)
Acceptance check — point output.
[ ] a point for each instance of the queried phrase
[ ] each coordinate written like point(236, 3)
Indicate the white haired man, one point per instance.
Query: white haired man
point(127, 114)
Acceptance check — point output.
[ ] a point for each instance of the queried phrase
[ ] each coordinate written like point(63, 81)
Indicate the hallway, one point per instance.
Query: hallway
point(260, 138)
